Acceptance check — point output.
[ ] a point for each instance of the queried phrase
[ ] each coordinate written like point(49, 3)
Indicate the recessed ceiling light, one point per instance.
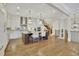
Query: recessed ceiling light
point(18, 7)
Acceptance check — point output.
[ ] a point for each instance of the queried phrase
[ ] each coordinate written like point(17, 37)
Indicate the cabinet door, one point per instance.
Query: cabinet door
point(26, 38)
point(78, 37)
point(74, 36)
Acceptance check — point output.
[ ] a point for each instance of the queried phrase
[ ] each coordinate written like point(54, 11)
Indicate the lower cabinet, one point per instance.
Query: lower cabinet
point(75, 36)
point(25, 38)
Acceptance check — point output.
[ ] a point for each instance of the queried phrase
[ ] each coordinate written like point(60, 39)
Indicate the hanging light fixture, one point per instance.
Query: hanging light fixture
point(41, 16)
point(74, 19)
point(18, 10)
point(30, 19)
point(29, 14)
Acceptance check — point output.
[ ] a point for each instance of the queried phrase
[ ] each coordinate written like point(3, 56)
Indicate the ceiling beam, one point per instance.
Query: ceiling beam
point(53, 6)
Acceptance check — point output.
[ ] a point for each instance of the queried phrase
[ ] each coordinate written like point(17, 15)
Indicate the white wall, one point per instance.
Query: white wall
point(1, 26)
point(3, 32)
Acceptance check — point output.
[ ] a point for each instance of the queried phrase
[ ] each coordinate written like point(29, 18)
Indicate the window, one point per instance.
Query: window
point(23, 20)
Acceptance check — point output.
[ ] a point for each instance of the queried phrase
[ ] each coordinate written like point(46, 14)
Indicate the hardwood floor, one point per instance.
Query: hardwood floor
point(50, 47)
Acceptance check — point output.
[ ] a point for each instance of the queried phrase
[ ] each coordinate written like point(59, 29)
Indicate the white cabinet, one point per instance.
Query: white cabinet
point(75, 36)
point(15, 35)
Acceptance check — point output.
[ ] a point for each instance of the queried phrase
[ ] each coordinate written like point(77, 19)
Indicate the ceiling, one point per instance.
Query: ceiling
point(38, 9)
point(30, 9)
point(74, 7)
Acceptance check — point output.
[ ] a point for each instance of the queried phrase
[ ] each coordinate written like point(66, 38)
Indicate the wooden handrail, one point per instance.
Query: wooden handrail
point(46, 25)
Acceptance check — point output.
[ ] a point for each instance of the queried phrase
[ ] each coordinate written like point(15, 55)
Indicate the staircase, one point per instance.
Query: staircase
point(47, 26)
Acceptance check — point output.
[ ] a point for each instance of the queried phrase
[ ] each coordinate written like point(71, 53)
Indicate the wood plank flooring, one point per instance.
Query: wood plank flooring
point(50, 47)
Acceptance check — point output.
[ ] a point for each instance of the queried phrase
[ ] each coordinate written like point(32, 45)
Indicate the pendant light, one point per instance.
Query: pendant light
point(74, 19)
point(30, 19)
point(18, 10)
point(30, 14)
